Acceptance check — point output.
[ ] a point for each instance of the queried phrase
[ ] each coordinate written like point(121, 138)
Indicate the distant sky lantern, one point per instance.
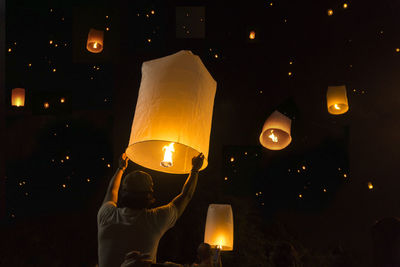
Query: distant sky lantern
point(172, 121)
point(18, 97)
point(95, 41)
point(330, 12)
point(252, 35)
point(370, 186)
point(275, 134)
point(337, 100)
point(219, 227)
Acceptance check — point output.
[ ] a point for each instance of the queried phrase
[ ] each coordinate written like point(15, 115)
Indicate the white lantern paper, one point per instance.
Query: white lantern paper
point(219, 227)
point(18, 97)
point(95, 41)
point(275, 134)
point(175, 105)
point(337, 102)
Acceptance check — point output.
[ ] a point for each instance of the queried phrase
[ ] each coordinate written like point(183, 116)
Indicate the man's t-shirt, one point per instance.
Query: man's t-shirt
point(121, 230)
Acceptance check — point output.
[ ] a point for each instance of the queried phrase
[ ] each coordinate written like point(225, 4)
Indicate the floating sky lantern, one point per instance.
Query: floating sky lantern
point(252, 35)
point(275, 134)
point(219, 227)
point(173, 116)
point(95, 41)
point(18, 97)
point(336, 97)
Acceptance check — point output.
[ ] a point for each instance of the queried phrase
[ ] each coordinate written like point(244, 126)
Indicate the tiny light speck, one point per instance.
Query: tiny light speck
point(397, 50)
point(66, 157)
point(109, 165)
point(290, 73)
point(300, 196)
point(303, 167)
point(51, 42)
point(330, 12)
point(232, 159)
point(345, 175)
point(106, 17)
point(9, 50)
point(88, 180)
point(345, 5)
point(62, 100)
point(216, 55)
point(298, 171)
point(107, 29)
point(226, 178)
point(63, 185)
point(46, 106)
point(271, 4)
point(324, 190)
point(30, 65)
point(54, 70)
point(152, 12)
point(149, 40)
point(62, 161)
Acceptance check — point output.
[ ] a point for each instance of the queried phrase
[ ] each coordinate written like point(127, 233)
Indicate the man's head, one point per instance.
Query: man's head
point(204, 252)
point(136, 191)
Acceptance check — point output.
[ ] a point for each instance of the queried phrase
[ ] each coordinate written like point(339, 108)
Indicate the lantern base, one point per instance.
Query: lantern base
point(150, 154)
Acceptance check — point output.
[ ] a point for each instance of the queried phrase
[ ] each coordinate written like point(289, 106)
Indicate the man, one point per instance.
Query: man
point(131, 225)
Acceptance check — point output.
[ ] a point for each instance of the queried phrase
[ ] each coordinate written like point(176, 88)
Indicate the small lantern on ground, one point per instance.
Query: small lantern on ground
point(275, 134)
point(172, 121)
point(336, 97)
point(18, 97)
point(95, 41)
point(219, 227)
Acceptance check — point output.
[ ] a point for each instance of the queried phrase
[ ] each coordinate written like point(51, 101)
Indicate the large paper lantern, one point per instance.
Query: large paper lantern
point(172, 121)
point(18, 97)
point(219, 227)
point(336, 97)
point(95, 41)
point(275, 133)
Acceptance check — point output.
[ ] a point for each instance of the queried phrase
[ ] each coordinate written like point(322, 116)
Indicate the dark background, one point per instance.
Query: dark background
point(50, 202)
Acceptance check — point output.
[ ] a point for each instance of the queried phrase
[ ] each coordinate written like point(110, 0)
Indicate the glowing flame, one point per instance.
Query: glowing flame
point(95, 45)
point(273, 137)
point(252, 35)
point(336, 106)
point(167, 161)
point(219, 246)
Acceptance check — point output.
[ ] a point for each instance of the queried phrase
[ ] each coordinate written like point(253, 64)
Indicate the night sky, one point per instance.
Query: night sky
point(316, 193)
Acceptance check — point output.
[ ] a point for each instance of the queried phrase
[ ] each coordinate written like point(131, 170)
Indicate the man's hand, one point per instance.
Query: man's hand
point(136, 259)
point(197, 162)
point(123, 162)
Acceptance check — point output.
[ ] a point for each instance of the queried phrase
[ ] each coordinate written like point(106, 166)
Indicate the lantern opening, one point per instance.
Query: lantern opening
point(167, 161)
point(95, 45)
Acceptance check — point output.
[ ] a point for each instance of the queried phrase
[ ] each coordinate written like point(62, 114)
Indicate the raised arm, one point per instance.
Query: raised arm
point(113, 187)
point(182, 200)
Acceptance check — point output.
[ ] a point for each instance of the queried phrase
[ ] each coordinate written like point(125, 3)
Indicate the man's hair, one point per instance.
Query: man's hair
point(129, 197)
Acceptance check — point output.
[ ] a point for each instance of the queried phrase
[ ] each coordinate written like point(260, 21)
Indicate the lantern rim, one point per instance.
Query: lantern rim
point(90, 48)
point(267, 144)
point(343, 108)
point(157, 167)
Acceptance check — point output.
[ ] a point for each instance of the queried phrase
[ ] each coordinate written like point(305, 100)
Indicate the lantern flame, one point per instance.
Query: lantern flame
point(252, 35)
point(273, 137)
point(167, 161)
point(336, 106)
point(95, 45)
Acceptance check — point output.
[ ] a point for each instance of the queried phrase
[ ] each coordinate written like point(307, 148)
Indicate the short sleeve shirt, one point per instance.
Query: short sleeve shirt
point(121, 230)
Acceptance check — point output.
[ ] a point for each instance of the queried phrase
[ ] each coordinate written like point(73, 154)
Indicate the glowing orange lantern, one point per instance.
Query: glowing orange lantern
point(275, 134)
point(95, 40)
point(219, 227)
point(172, 121)
point(337, 100)
point(18, 97)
